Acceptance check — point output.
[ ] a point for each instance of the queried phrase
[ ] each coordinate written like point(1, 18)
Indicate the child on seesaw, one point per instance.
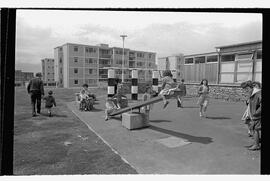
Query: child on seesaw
point(168, 86)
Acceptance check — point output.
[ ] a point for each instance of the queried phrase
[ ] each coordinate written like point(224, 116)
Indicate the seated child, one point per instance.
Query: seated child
point(168, 86)
point(49, 102)
point(84, 101)
point(110, 107)
point(85, 88)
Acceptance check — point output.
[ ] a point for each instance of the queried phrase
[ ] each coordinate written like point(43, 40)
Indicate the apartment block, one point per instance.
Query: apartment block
point(21, 78)
point(175, 63)
point(76, 64)
point(48, 71)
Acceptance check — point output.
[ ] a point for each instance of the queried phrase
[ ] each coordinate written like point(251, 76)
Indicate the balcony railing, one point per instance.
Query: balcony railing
point(105, 56)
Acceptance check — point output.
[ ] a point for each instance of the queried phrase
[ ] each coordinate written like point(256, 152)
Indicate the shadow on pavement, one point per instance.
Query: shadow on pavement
point(96, 110)
point(218, 117)
point(159, 121)
point(190, 138)
point(191, 107)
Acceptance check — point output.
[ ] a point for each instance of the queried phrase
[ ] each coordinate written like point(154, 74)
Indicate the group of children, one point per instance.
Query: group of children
point(168, 88)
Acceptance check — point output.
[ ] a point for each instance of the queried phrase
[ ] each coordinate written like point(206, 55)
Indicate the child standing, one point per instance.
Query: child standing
point(204, 98)
point(110, 107)
point(49, 102)
point(182, 88)
point(168, 85)
point(147, 96)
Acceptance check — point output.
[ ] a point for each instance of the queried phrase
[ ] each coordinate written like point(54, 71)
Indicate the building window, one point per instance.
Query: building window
point(140, 64)
point(259, 54)
point(140, 55)
point(60, 70)
point(75, 49)
point(213, 58)
point(199, 60)
point(90, 50)
point(90, 61)
point(90, 71)
point(60, 60)
point(76, 82)
point(189, 61)
point(227, 58)
point(246, 56)
point(75, 71)
point(75, 59)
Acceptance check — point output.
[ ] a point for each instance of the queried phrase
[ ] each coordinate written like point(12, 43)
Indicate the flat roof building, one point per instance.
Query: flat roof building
point(48, 71)
point(76, 64)
point(229, 64)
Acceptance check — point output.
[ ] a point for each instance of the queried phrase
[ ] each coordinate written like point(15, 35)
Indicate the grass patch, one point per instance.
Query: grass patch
point(61, 144)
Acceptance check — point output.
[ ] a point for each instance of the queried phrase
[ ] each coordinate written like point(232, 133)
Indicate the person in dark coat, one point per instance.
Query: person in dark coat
point(49, 102)
point(254, 113)
point(36, 90)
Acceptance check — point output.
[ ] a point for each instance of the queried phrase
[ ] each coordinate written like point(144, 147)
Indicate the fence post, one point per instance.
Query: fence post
point(134, 84)
point(111, 82)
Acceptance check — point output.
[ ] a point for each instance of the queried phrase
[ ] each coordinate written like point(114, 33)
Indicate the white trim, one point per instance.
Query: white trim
point(134, 89)
point(110, 90)
point(211, 62)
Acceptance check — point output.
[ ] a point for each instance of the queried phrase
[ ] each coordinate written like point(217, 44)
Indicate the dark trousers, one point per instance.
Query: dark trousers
point(35, 100)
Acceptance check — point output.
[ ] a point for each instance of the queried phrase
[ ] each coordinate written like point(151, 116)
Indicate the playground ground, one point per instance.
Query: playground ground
point(177, 141)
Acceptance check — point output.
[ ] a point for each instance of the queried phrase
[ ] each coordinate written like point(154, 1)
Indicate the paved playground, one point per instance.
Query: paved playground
point(178, 141)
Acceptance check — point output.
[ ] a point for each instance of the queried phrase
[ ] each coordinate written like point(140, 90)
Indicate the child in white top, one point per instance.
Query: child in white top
point(204, 98)
point(110, 107)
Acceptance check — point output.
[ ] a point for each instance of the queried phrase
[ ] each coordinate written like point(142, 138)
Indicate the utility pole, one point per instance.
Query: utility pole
point(123, 57)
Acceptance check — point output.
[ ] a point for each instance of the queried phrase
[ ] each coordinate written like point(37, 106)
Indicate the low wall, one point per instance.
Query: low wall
point(226, 92)
point(218, 91)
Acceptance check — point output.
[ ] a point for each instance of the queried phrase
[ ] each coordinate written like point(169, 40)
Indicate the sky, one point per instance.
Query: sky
point(38, 32)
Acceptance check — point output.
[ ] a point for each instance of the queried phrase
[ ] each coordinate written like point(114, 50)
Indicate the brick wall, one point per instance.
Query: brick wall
point(225, 92)
point(232, 93)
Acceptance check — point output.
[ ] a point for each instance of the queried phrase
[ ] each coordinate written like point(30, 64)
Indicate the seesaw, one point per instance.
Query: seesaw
point(174, 93)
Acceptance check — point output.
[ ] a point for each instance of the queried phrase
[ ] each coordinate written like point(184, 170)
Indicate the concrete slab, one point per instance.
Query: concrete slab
point(173, 142)
point(216, 143)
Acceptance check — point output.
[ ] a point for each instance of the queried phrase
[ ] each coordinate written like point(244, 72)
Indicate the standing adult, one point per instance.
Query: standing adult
point(36, 90)
point(183, 92)
point(254, 112)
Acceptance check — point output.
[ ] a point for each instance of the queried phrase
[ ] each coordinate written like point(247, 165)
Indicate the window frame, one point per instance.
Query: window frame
point(211, 56)
point(227, 55)
point(193, 62)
